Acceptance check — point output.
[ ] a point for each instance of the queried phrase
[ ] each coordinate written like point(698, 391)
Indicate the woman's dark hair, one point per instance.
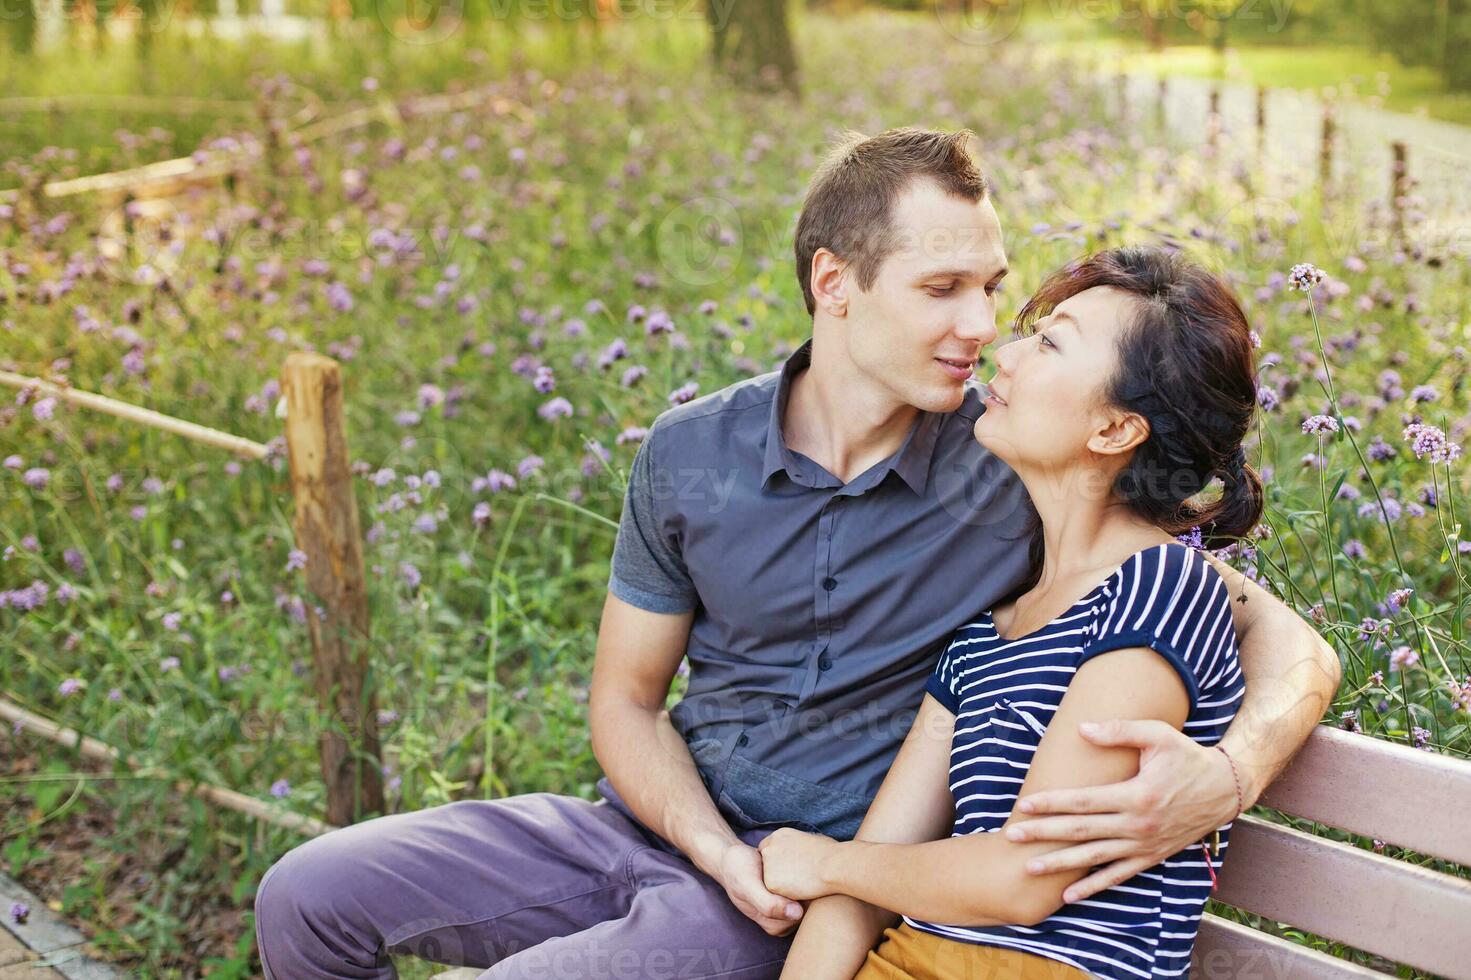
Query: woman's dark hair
point(1185, 364)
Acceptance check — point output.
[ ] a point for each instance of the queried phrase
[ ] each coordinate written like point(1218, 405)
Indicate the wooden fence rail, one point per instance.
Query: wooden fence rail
point(326, 529)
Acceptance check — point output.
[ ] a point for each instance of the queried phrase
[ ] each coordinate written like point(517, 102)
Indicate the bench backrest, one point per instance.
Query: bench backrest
point(1417, 800)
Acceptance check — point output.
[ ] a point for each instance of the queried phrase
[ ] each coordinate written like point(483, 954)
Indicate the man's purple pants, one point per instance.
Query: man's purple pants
point(536, 887)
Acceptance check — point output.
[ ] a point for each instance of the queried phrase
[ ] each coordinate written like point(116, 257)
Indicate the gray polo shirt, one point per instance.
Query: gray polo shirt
point(820, 608)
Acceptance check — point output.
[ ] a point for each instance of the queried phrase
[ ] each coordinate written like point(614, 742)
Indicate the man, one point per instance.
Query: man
point(797, 537)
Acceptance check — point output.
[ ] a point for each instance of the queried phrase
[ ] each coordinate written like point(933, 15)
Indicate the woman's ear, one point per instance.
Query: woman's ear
point(829, 285)
point(1123, 432)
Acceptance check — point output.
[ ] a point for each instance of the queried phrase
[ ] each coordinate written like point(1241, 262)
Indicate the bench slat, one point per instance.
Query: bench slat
point(1226, 950)
point(1392, 908)
point(1368, 786)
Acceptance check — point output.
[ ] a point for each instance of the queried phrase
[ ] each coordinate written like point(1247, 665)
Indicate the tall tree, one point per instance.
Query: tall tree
point(752, 41)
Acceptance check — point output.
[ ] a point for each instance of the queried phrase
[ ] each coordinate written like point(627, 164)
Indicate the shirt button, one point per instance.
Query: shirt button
point(829, 583)
point(743, 740)
point(824, 662)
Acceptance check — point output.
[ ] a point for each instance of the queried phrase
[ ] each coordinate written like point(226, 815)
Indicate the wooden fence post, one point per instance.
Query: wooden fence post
point(1261, 123)
point(326, 529)
point(1213, 120)
point(1399, 186)
point(1325, 150)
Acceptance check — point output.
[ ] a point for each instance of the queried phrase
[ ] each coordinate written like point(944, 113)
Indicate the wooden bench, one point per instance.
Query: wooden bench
point(1416, 800)
point(1420, 801)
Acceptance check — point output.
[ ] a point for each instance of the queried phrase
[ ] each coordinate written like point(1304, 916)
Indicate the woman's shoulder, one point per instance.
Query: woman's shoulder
point(1166, 583)
point(1161, 564)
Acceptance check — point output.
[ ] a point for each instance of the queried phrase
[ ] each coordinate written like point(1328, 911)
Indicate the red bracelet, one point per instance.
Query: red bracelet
point(1235, 780)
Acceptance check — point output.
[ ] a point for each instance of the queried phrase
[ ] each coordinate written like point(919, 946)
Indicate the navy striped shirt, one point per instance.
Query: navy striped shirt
point(1004, 693)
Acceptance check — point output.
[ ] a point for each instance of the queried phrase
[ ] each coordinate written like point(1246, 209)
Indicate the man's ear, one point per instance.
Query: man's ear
point(1121, 433)
point(829, 283)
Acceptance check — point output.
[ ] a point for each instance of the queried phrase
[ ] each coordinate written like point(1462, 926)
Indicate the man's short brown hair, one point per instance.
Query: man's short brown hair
point(849, 204)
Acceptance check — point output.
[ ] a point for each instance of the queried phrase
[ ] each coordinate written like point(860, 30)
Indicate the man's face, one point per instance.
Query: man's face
point(919, 330)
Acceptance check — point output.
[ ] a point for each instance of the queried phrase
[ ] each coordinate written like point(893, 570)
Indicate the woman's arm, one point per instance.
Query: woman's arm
point(912, 805)
point(982, 879)
point(1184, 790)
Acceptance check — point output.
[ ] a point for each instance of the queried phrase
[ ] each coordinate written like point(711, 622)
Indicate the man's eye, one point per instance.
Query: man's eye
point(993, 288)
point(1047, 342)
point(940, 290)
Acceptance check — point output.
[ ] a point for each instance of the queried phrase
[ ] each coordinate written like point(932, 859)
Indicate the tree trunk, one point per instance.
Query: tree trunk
point(752, 41)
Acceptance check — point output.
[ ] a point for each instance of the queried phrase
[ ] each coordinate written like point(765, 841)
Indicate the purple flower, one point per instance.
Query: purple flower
point(227, 673)
point(1402, 657)
point(633, 433)
point(339, 298)
point(1430, 440)
point(659, 322)
point(1267, 397)
point(633, 375)
point(295, 560)
point(1191, 538)
point(19, 913)
point(683, 393)
point(74, 560)
point(1304, 276)
point(36, 477)
point(69, 687)
point(430, 396)
point(555, 409)
point(410, 574)
point(280, 789)
point(167, 664)
point(1399, 598)
point(44, 410)
point(14, 462)
point(545, 381)
point(1354, 548)
point(426, 524)
point(708, 307)
point(386, 716)
point(1318, 424)
point(481, 514)
point(615, 351)
point(172, 620)
point(1423, 393)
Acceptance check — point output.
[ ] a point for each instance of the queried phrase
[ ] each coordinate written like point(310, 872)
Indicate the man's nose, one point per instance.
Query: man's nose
point(978, 324)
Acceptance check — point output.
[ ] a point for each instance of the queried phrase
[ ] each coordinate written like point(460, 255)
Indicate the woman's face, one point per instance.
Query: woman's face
point(1045, 410)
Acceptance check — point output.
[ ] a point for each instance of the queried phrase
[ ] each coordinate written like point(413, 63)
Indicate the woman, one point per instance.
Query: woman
point(1132, 388)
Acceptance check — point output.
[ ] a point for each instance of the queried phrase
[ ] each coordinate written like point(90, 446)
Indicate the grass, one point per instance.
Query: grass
point(1339, 71)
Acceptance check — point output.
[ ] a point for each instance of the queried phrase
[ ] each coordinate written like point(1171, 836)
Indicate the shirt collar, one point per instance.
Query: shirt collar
point(911, 462)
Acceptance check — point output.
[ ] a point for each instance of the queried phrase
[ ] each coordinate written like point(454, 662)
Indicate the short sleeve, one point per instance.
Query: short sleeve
point(1169, 599)
point(941, 684)
point(648, 570)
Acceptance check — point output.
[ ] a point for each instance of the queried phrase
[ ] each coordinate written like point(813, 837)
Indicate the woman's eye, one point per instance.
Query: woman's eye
point(993, 288)
point(1046, 342)
point(940, 290)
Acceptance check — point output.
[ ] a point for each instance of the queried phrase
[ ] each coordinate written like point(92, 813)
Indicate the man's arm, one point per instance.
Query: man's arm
point(1183, 790)
point(649, 764)
point(912, 806)
point(980, 878)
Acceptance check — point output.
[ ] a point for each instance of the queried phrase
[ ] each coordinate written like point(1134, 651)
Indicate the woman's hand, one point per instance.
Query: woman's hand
point(793, 863)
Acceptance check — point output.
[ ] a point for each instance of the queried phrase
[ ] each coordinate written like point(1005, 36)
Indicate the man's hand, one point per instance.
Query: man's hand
point(793, 862)
point(741, 874)
point(1182, 793)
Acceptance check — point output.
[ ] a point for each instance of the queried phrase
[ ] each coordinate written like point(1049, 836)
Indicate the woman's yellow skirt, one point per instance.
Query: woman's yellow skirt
point(908, 954)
